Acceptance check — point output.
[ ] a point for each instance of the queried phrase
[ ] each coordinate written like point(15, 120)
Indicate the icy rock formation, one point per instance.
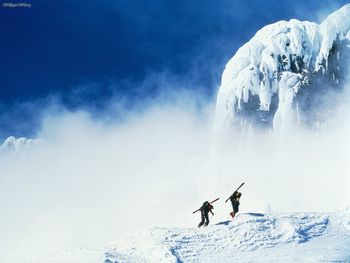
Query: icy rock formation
point(285, 73)
point(11, 144)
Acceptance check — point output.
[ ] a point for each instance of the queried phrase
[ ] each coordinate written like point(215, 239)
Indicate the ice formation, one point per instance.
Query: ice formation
point(283, 75)
point(12, 144)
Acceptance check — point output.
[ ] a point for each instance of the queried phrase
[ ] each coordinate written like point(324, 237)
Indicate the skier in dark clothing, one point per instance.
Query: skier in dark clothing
point(205, 209)
point(234, 198)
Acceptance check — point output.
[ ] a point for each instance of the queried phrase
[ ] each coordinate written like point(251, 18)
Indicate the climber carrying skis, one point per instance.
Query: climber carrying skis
point(205, 209)
point(234, 198)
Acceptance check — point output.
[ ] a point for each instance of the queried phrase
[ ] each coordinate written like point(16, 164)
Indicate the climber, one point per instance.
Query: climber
point(234, 198)
point(205, 209)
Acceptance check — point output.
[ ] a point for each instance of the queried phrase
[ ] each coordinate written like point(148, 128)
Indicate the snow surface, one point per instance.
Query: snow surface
point(275, 64)
point(251, 237)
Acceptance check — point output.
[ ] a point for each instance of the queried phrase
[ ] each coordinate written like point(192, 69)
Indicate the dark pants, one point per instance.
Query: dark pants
point(235, 206)
point(205, 219)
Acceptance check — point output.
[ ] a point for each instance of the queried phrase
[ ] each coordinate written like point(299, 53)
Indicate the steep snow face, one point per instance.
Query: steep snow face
point(12, 144)
point(285, 73)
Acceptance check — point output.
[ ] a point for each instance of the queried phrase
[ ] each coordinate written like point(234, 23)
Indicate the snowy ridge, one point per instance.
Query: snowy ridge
point(15, 144)
point(262, 80)
point(12, 144)
point(248, 238)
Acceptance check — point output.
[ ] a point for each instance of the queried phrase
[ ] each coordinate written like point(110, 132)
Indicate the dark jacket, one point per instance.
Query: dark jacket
point(235, 201)
point(235, 197)
point(206, 208)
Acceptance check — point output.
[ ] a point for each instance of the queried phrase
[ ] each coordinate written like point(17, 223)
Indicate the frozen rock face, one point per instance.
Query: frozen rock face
point(11, 144)
point(285, 75)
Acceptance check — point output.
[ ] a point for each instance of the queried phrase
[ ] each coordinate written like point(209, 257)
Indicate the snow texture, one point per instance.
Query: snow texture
point(262, 80)
point(248, 238)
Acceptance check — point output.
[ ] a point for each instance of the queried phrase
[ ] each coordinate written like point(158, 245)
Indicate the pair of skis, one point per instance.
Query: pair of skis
point(219, 198)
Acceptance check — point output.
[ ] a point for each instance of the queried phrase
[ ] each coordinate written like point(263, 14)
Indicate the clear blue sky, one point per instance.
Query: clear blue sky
point(82, 52)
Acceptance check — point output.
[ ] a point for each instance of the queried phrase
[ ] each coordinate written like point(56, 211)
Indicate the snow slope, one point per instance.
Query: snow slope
point(251, 237)
point(282, 76)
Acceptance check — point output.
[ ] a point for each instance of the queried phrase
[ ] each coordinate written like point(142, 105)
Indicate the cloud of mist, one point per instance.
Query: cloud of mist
point(93, 181)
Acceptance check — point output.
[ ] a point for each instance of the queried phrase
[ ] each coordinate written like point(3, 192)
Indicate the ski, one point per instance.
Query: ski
point(209, 203)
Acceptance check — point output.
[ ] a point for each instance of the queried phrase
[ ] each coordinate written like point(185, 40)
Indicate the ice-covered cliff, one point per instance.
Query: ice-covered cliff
point(286, 74)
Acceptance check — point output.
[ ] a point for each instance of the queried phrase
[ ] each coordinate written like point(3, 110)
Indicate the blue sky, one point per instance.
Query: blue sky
point(80, 54)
